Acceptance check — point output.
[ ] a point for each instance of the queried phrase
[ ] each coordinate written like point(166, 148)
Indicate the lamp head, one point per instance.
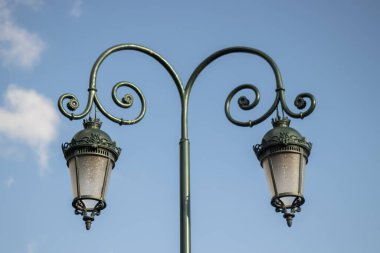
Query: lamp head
point(90, 156)
point(283, 153)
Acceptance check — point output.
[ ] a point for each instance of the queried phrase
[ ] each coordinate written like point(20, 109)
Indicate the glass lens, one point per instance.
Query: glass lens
point(73, 176)
point(91, 170)
point(286, 168)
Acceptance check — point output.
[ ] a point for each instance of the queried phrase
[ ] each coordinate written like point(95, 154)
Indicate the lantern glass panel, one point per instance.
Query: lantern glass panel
point(286, 167)
point(73, 176)
point(92, 170)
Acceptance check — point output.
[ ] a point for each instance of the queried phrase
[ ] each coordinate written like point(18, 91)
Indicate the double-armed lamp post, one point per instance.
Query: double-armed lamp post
point(91, 155)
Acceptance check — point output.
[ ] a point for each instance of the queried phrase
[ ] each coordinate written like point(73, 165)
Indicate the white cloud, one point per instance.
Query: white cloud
point(29, 118)
point(18, 46)
point(76, 11)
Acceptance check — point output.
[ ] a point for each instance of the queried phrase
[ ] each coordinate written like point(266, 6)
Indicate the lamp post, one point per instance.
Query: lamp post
point(91, 154)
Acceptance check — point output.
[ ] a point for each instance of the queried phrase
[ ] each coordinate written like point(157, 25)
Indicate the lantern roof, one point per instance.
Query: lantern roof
point(92, 137)
point(281, 135)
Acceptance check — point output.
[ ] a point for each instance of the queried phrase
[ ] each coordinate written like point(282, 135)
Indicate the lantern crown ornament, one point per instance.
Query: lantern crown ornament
point(283, 153)
point(90, 156)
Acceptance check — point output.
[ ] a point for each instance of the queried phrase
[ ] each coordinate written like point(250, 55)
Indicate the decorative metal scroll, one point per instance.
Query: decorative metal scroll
point(95, 140)
point(126, 101)
point(284, 140)
point(243, 102)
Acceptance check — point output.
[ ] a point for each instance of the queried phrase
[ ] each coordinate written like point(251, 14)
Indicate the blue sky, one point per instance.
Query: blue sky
point(327, 48)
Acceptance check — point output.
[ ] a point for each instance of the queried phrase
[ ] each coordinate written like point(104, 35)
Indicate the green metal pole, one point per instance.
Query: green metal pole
point(184, 174)
point(185, 231)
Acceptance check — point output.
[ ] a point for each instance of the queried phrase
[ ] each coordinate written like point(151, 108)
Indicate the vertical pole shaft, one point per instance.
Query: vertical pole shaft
point(185, 196)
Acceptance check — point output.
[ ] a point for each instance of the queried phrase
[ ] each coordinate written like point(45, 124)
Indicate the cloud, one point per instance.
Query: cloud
point(31, 119)
point(18, 46)
point(76, 11)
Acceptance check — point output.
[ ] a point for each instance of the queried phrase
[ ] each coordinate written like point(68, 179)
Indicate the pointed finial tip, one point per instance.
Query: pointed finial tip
point(88, 220)
point(289, 222)
point(289, 218)
point(88, 224)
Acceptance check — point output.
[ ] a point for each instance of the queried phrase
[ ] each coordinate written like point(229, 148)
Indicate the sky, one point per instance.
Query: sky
point(327, 48)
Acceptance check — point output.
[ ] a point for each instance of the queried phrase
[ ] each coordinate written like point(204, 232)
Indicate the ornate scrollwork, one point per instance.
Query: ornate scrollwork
point(300, 103)
point(288, 211)
point(126, 101)
point(93, 141)
point(284, 139)
point(243, 102)
point(73, 104)
point(81, 209)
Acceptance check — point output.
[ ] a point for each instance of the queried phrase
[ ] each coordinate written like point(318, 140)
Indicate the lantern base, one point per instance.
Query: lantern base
point(288, 210)
point(88, 213)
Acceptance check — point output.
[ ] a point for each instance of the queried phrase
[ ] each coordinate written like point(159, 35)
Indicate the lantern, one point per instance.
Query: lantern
point(283, 154)
point(90, 156)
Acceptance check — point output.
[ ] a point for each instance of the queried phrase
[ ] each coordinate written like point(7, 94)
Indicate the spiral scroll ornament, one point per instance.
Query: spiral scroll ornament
point(301, 103)
point(243, 102)
point(72, 105)
point(127, 101)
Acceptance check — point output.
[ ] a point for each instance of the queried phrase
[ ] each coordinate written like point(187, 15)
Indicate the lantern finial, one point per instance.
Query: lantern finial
point(289, 218)
point(95, 123)
point(281, 122)
point(88, 220)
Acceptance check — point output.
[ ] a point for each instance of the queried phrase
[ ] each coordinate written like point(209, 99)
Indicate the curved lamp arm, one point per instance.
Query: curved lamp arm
point(243, 102)
point(127, 100)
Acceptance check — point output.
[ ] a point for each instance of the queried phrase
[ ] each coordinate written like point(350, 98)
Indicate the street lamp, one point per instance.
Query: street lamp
point(283, 152)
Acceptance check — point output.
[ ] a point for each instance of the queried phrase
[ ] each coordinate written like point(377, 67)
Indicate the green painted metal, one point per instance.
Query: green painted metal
point(281, 135)
point(91, 136)
point(184, 93)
